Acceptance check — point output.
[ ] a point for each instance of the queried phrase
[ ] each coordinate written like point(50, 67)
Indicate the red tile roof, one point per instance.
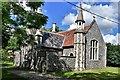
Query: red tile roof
point(69, 36)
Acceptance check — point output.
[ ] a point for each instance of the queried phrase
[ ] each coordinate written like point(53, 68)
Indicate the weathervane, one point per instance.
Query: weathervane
point(81, 1)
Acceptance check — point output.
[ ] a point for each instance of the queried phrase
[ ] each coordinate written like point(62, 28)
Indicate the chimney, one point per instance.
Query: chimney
point(53, 27)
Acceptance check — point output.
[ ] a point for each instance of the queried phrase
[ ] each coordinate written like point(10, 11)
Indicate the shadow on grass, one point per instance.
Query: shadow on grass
point(89, 76)
point(10, 66)
point(10, 76)
point(102, 75)
point(6, 75)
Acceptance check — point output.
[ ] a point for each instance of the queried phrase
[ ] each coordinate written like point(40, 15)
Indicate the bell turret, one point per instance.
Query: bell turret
point(80, 21)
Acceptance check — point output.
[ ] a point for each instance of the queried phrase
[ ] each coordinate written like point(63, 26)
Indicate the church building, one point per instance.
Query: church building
point(77, 49)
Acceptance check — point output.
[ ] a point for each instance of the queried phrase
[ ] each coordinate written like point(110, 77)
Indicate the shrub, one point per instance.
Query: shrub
point(5, 56)
point(113, 55)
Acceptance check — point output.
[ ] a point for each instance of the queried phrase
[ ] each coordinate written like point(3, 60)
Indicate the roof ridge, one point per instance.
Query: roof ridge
point(53, 33)
point(66, 31)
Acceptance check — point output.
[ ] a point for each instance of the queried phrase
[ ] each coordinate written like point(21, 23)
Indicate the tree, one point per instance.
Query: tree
point(57, 29)
point(113, 55)
point(14, 17)
point(5, 22)
point(15, 21)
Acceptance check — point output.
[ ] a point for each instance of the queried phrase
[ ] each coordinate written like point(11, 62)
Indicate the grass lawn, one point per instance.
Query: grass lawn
point(109, 73)
point(6, 75)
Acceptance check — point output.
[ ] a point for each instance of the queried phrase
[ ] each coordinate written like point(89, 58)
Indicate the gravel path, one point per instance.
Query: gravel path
point(31, 75)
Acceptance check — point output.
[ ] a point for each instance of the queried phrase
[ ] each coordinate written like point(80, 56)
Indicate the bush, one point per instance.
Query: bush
point(5, 56)
point(113, 55)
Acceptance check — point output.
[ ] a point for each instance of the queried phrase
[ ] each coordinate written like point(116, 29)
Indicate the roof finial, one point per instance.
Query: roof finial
point(80, 14)
point(80, 2)
point(93, 17)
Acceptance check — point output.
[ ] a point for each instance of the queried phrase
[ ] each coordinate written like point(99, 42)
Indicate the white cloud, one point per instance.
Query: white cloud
point(108, 11)
point(69, 19)
point(114, 39)
point(72, 26)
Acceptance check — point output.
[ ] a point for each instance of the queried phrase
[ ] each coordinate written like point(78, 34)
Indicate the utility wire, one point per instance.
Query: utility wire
point(92, 12)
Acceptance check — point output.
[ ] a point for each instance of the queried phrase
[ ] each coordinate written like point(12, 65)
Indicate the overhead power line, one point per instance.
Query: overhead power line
point(93, 13)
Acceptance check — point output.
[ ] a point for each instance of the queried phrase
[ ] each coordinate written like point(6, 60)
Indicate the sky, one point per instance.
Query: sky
point(65, 14)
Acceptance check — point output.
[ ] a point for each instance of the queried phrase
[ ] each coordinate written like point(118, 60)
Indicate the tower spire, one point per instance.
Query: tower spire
point(80, 14)
point(80, 21)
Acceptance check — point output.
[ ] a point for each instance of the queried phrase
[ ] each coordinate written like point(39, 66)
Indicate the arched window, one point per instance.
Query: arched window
point(71, 54)
point(94, 50)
